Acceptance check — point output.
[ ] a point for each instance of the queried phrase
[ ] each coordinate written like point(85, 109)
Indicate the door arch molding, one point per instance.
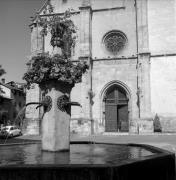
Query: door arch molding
point(103, 94)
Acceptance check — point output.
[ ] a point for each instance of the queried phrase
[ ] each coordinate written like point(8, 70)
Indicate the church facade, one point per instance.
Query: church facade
point(130, 46)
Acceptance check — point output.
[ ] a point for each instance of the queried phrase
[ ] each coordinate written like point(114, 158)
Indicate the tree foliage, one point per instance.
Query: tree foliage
point(62, 31)
point(58, 67)
point(157, 124)
point(2, 72)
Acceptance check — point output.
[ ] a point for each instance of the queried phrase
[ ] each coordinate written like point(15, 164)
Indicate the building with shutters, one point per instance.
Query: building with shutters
point(130, 46)
point(12, 101)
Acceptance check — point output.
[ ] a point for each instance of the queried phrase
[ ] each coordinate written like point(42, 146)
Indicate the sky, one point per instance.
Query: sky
point(15, 36)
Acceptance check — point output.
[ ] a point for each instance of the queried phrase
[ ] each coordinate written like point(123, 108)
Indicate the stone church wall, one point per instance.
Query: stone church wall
point(104, 72)
point(162, 40)
point(156, 30)
point(80, 122)
point(104, 69)
point(113, 70)
point(163, 91)
point(63, 5)
point(118, 19)
point(32, 121)
point(162, 26)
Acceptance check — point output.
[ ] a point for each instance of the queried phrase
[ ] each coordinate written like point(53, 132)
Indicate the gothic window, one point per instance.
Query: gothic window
point(114, 41)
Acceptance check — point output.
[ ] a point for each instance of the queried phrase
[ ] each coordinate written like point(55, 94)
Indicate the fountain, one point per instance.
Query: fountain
point(56, 119)
point(55, 157)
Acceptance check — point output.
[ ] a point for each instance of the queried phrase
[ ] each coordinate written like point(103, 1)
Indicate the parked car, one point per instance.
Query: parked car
point(10, 131)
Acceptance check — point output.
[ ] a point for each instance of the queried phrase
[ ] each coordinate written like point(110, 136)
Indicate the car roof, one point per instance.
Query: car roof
point(8, 126)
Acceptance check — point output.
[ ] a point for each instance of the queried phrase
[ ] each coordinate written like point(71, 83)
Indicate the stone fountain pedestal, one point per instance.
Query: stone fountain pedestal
point(56, 122)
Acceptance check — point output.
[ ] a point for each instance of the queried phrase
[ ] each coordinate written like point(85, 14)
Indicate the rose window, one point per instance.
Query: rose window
point(114, 41)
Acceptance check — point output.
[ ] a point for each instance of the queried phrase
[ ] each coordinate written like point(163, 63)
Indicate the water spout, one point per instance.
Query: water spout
point(46, 103)
point(74, 104)
point(20, 116)
point(63, 102)
point(32, 103)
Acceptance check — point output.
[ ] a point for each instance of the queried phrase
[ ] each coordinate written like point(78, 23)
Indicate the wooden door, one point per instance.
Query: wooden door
point(111, 113)
point(116, 110)
point(123, 118)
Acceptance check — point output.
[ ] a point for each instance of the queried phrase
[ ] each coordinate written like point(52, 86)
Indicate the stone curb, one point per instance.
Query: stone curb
point(22, 143)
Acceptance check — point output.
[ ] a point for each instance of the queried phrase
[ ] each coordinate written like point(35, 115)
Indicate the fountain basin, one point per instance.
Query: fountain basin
point(87, 161)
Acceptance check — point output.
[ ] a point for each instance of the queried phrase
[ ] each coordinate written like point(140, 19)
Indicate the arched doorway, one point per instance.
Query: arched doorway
point(116, 109)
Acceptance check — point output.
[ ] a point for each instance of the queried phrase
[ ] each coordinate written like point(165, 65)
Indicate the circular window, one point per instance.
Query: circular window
point(114, 41)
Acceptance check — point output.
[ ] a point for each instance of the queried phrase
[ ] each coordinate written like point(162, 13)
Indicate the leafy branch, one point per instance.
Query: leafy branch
point(45, 67)
point(59, 67)
point(62, 31)
point(2, 72)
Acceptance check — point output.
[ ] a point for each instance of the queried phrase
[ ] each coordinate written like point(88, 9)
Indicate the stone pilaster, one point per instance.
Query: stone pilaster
point(32, 116)
point(36, 40)
point(85, 29)
point(85, 55)
point(31, 124)
point(144, 85)
point(145, 123)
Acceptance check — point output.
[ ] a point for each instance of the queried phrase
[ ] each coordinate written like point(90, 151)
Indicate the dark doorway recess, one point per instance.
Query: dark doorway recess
point(116, 110)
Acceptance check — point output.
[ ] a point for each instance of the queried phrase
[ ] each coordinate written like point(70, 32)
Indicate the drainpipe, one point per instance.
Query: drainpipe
point(137, 65)
point(91, 96)
point(90, 76)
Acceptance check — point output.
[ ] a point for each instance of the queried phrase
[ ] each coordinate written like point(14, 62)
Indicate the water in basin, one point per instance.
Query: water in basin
point(79, 154)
